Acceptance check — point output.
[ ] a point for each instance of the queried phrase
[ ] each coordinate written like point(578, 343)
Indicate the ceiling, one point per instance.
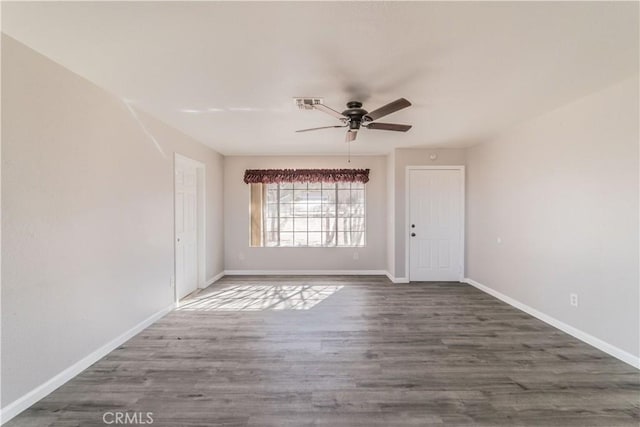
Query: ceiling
point(226, 72)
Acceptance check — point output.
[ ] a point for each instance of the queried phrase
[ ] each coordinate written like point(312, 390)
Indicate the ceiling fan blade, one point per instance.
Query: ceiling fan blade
point(351, 135)
point(323, 127)
point(389, 126)
point(385, 110)
point(329, 111)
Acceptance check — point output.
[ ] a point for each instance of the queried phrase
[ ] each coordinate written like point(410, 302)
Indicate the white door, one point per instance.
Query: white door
point(186, 203)
point(436, 224)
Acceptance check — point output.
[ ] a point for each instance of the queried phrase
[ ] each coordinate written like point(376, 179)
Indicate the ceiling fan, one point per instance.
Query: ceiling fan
point(355, 117)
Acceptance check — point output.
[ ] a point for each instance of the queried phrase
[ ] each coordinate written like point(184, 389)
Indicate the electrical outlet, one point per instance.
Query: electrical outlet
point(573, 299)
point(356, 255)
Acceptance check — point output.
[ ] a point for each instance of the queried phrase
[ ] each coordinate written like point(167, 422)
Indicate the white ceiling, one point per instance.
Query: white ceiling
point(226, 72)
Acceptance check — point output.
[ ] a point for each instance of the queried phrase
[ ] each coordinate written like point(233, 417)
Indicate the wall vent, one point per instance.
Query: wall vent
point(307, 103)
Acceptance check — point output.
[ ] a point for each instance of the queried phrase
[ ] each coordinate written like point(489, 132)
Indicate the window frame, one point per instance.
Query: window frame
point(336, 216)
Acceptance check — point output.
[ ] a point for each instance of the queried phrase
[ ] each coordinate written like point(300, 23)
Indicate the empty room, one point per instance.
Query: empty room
point(329, 213)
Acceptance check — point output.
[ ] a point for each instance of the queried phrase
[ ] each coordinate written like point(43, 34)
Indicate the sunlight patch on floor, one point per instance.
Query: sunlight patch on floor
point(261, 297)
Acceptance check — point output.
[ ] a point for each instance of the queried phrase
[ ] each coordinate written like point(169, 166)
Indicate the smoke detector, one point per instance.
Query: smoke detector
point(307, 103)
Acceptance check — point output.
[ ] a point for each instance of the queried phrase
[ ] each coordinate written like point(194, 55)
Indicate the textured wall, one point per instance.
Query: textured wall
point(87, 217)
point(561, 192)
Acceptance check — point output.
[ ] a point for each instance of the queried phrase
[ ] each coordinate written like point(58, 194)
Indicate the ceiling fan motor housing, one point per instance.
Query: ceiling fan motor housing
point(355, 113)
point(355, 116)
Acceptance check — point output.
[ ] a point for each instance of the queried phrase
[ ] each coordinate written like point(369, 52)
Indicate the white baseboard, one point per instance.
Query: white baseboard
point(215, 278)
point(577, 333)
point(396, 279)
point(24, 402)
point(309, 273)
point(305, 272)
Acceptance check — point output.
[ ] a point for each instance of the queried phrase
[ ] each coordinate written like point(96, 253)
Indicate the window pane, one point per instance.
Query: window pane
point(286, 209)
point(299, 196)
point(314, 209)
point(314, 197)
point(329, 196)
point(351, 239)
point(344, 239)
point(357, 238)
point(272, 196)
point(357, 185)
point(328, 224)
point(271, 224)
point(300, 210)
point(300, 224)
point(329, 210)
point(285, 185)
point(286, 196)
point(344, 185)
point(344, 196)
point(300, 185)
point(315, 224)
point(328, 185)
point(344, 224)
point(272, 210)
point(357, 210)
point(315, 185)
point(300, 239)
point(271, 237)
point(286, 239)
point(315, 239)
point(344, 210)
point(314, 194)
point(286, 224)
point(329, 238)
point(357, 224)
point(357, 196)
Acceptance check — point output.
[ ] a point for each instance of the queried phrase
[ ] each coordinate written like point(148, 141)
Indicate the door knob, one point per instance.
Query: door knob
point(178, 239)
point(413, 226)
point(413, 234)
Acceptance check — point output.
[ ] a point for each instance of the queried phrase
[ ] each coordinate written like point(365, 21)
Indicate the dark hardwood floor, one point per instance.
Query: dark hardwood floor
point(348, 351)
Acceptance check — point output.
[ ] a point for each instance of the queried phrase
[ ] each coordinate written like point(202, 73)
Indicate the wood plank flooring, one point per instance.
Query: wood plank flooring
point(348, 351)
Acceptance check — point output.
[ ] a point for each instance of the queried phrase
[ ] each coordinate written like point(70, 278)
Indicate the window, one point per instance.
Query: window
point(311, 214)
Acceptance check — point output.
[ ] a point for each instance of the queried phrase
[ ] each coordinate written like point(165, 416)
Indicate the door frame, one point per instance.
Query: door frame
point(200, 222)
point(407, 207)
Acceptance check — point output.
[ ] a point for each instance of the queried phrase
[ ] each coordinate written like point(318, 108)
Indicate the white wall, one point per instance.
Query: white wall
point(173, 142)
point(562, 192)
point(87, 221)
point(414, 157)
point(238, 254)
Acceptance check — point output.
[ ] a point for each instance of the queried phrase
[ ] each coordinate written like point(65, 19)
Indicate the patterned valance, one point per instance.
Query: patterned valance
point(275, 176)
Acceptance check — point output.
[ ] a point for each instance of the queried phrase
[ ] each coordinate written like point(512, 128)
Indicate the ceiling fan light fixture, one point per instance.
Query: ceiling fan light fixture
point(355, 116)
